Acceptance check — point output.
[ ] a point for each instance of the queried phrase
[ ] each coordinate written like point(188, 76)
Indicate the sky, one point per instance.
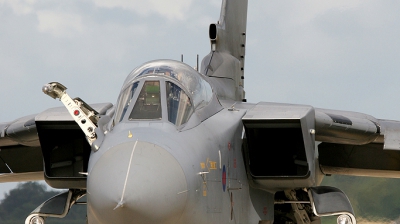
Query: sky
point(335, 54)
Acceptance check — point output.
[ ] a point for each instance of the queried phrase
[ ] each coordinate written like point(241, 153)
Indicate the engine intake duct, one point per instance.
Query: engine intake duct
point(65, 153)
point(276, 148)
point(279, 145)
point(64, 146)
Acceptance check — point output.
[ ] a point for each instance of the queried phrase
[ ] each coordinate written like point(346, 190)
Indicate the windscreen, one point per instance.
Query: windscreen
point(124, 101)
point(148, 104)
point(178, 104)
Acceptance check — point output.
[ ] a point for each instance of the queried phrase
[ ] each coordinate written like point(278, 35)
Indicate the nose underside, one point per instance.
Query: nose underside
point(136, 182)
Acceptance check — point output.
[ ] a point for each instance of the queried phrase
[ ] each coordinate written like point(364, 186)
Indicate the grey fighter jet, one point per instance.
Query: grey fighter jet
point(184, 146)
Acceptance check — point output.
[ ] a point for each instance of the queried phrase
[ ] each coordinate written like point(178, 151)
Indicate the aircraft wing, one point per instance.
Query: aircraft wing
point(359, 145)
point(351, 143)
point(20, 146)
point(20, 152)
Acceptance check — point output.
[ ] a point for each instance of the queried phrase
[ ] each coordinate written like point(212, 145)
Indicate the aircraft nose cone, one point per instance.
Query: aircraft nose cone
point(136, 182)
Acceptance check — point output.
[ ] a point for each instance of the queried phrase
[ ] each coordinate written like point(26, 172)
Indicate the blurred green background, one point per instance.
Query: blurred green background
point(374, 200)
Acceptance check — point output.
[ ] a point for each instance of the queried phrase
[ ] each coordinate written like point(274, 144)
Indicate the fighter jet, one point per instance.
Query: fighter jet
point(182, 145)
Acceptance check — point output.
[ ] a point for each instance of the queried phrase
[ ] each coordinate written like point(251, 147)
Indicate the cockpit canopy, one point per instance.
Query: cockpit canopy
point(162, 89)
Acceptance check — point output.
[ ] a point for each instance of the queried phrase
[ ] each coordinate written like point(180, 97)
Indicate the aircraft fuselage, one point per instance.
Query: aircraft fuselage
point(161, 175)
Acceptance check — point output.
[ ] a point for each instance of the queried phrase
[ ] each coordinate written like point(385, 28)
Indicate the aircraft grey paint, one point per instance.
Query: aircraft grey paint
point(182, 146)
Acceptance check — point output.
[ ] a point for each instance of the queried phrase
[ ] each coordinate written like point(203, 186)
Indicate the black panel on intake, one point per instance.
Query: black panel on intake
point(276, 148)
point(65, 153)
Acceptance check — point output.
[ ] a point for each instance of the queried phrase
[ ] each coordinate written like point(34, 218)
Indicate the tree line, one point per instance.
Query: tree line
point(374, 199)
point(19, 202)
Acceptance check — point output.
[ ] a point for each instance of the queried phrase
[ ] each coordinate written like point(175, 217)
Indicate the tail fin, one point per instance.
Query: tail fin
point(226, 59)
point(231, 28)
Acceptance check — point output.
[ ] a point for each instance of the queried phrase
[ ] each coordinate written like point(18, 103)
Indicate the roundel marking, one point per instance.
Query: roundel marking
point(223, 178)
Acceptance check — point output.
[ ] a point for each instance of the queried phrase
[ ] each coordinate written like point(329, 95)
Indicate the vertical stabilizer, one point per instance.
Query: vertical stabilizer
point(225, 63)
point(231, 28)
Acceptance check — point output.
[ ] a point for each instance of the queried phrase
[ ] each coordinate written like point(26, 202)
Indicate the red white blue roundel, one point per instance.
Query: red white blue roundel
point(223, 178)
